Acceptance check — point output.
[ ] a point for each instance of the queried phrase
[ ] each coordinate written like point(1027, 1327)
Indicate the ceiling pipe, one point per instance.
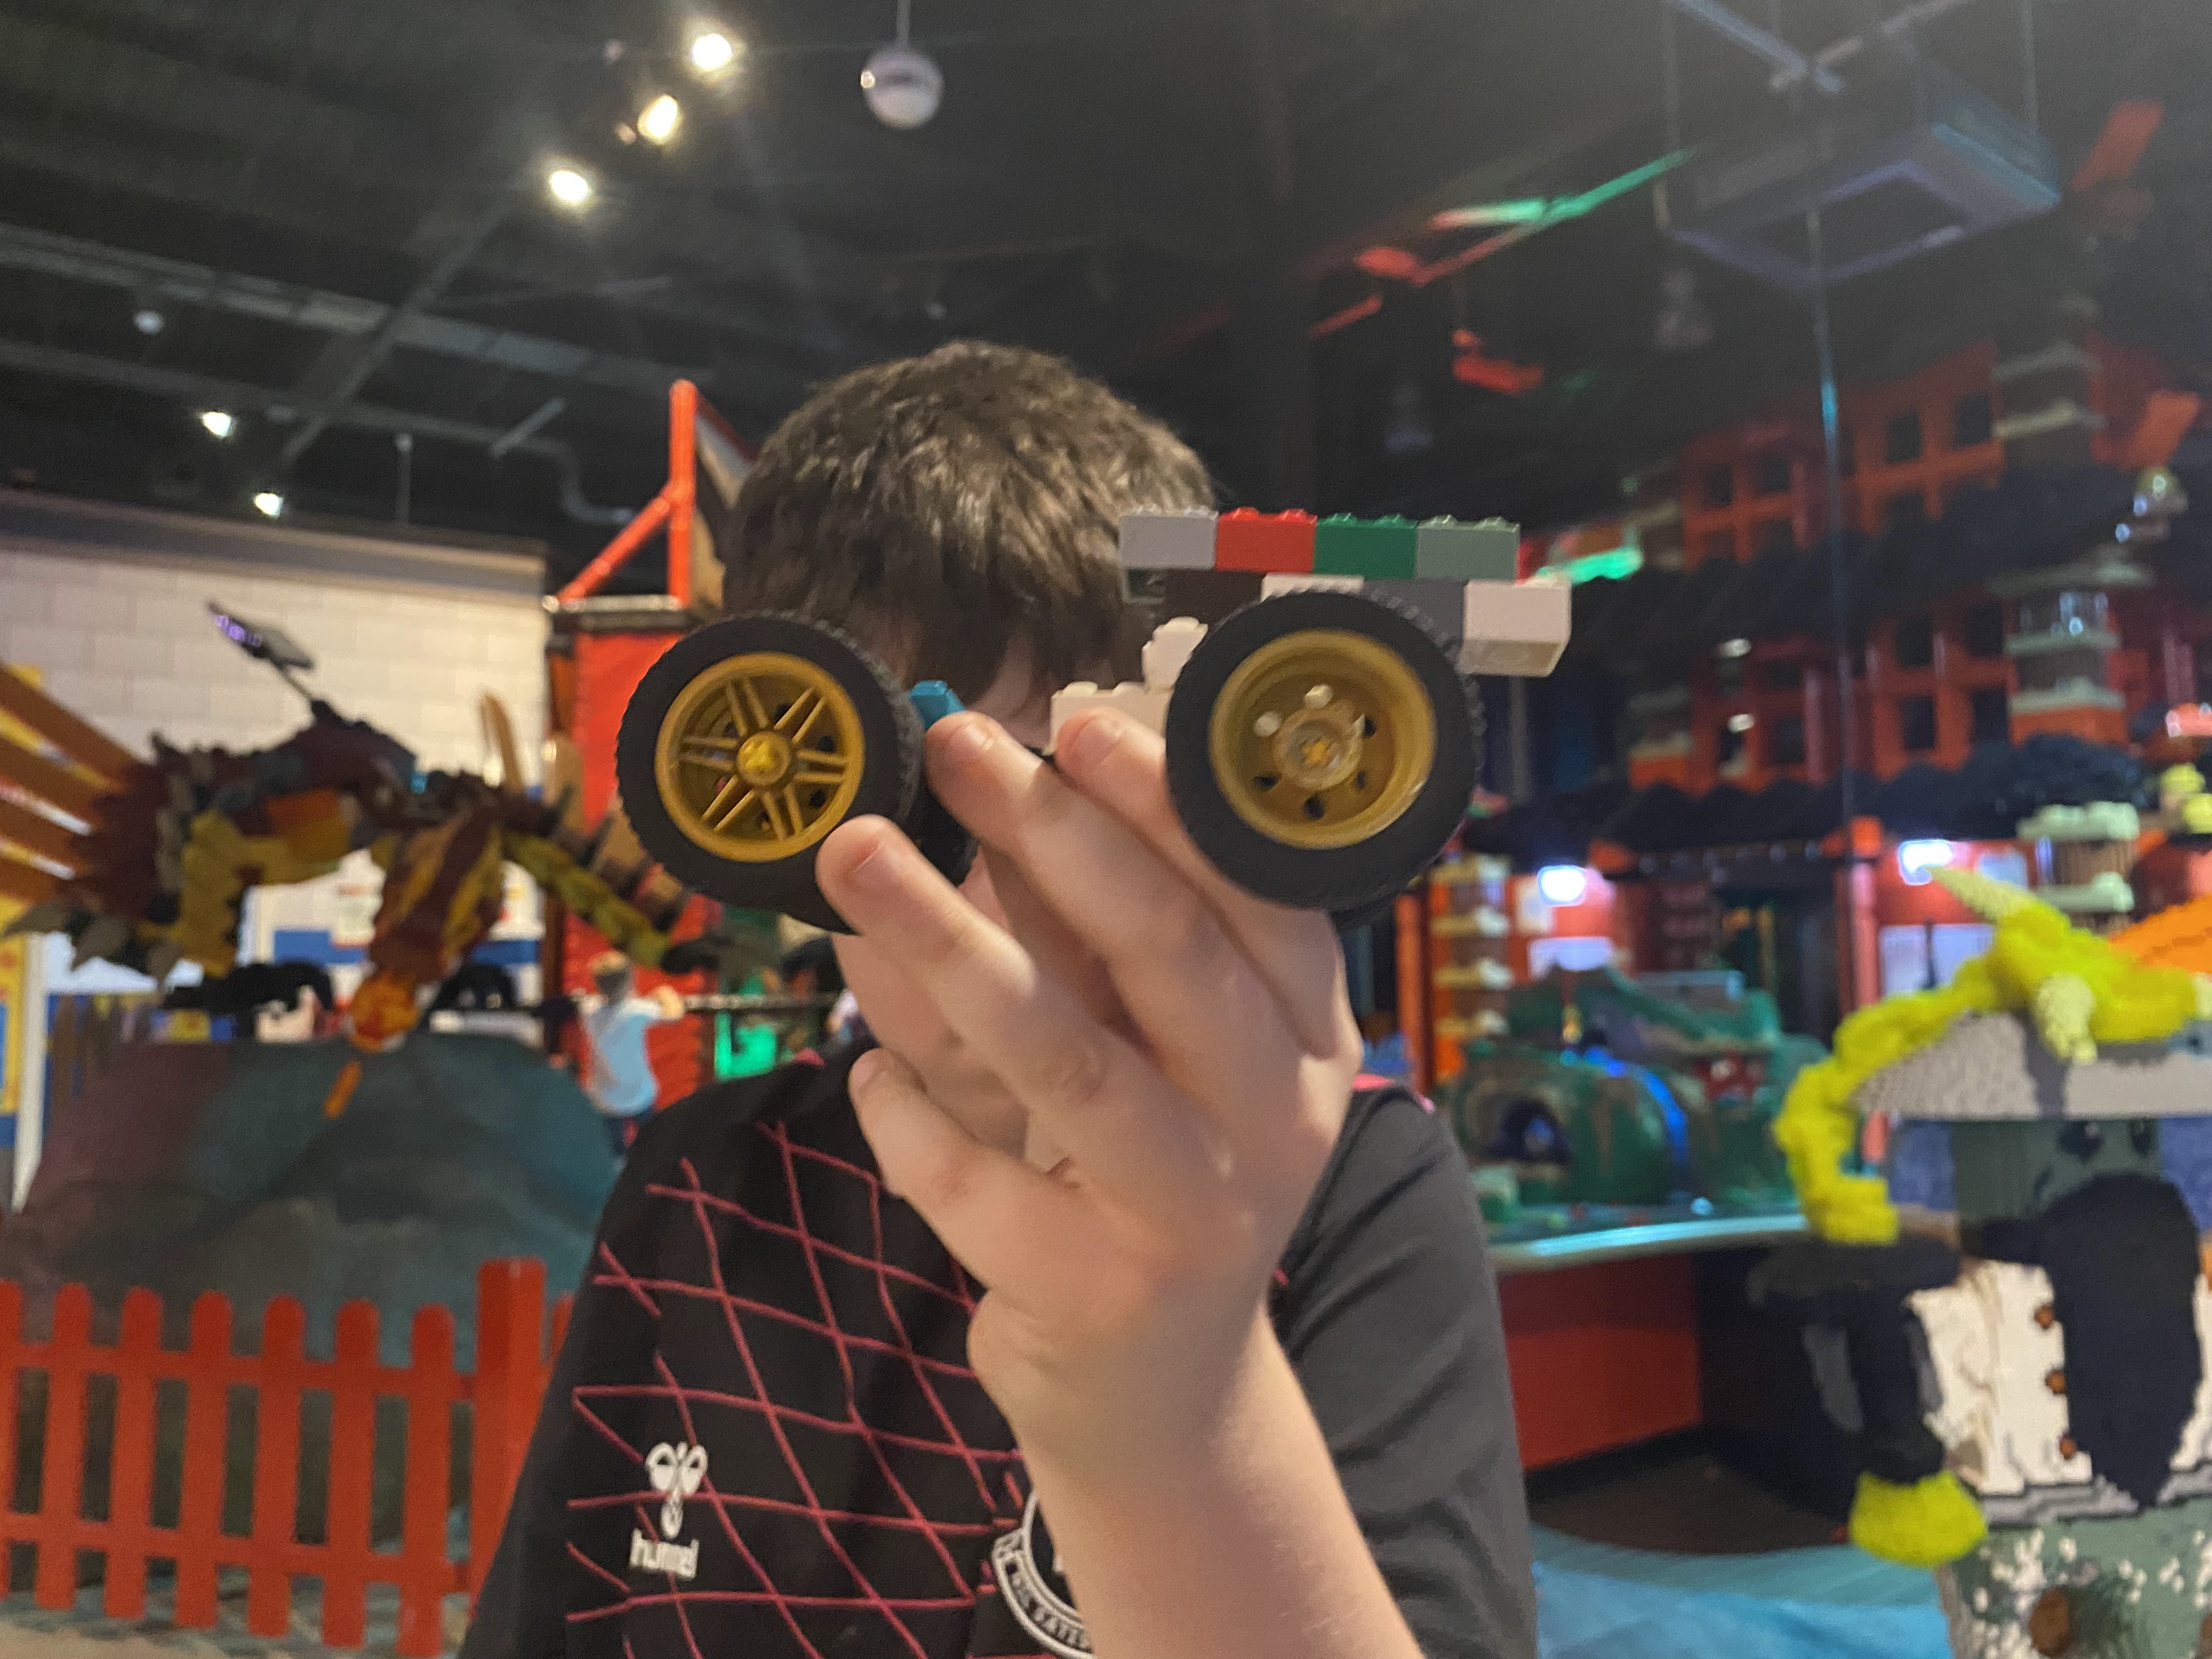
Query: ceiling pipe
point(179, 282)
point(1891, 31)
point(528, 427)
point(208, 391)
point(370, 355)
point(1785, 58)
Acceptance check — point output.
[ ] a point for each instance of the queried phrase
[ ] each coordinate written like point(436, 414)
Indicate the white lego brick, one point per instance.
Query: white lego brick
point(242, 709)
point(27, 602)
point(53, 649)
point(161, 698)
point(78, 600)
point(1144, 704)
point(1168, 541)
point(125, 656)
point(1301, 581)
point(1515, 628)
point(155, 614)
point(1169, 649)
point(208, 659)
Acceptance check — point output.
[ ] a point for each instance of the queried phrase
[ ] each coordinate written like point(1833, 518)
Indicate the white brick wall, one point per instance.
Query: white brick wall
point(128, 644)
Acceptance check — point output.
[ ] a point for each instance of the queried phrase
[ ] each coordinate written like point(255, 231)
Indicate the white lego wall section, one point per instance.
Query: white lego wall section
point(405, 635)
point(129, 646)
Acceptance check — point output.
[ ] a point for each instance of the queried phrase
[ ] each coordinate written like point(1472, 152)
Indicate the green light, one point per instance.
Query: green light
point(1546, 210)
point(1527, 210)
point(1618, 565)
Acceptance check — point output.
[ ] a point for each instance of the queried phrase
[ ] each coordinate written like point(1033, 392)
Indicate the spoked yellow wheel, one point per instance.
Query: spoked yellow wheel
point(759, 756)
point(1320, 749)
point(1321, 738)
point(748, 743)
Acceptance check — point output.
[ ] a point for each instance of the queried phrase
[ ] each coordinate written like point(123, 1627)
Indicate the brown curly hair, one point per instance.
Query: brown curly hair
point(956, 509)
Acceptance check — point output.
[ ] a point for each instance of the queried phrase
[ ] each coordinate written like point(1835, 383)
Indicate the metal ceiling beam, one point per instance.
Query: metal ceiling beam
point(341, 369)
point(281, 407)
point(181, 282)
point(1785, 59)
point(303, 208)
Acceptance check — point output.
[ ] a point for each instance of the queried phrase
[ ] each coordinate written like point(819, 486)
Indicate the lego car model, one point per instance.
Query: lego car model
point(1310, 683)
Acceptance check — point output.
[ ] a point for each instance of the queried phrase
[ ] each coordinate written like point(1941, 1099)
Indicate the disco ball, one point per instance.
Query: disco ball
point(903, 86)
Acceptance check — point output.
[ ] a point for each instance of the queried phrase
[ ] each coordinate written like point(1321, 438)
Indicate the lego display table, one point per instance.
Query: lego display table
point(1604, 1329)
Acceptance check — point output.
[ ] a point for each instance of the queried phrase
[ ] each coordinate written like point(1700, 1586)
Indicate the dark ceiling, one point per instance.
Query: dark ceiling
point(337, 209)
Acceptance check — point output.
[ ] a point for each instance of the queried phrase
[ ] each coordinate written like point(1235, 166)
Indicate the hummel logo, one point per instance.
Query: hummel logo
point(676, 1471)
point(656, 1555)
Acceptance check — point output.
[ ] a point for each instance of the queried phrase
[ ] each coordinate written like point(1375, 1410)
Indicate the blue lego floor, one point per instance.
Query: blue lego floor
point(1600, 1602)
point(1667, 1551)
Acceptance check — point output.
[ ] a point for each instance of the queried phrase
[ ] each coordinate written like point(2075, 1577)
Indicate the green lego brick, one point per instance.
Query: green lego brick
point(1383, 549)
point(1449, 551)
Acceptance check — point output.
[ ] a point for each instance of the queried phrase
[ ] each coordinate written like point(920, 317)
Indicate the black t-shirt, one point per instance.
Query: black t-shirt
point(762, 1437)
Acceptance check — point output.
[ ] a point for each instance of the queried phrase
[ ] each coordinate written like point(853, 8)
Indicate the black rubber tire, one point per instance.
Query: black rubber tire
point(940, 837)
point(891, 766)
point(1344, 880)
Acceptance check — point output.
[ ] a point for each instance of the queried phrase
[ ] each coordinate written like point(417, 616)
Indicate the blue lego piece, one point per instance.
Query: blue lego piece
point(933, 700)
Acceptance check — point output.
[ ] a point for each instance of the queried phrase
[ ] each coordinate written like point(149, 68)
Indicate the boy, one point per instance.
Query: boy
point(1104, 1232)
point(619, 1077)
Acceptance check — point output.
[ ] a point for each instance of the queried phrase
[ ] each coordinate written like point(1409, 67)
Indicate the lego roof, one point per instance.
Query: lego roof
point(1657, 618)
point(1982, 799)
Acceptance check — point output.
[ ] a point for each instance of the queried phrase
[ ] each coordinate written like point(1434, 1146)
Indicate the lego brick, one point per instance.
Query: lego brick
point(1381, 547)
point(1276, 543)
point(1271, 586)
point(1515, 628)
point(1445, 549)
point(1168, 541)
point(1207, 595)
point(1442, 605)
point(1141, 703)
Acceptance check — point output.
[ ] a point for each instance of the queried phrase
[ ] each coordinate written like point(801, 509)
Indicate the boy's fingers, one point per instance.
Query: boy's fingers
point(989, 1208)
point(1175, 967)
point(1123, 766)
point(1135, 888)
point(1130, 1130)
point(1052, 944)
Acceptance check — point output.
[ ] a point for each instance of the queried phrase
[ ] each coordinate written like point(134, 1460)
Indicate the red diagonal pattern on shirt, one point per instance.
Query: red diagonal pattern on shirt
point(899, 1325)
point(829, 1325)
point(730, 1206)
point(987, 1465)
point(799, 1322)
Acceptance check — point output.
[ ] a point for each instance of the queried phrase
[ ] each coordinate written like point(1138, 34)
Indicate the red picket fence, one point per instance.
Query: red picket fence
point(514, 1358)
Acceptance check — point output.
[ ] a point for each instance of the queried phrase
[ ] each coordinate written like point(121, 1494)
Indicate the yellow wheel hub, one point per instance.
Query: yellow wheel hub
point(759, 756)
point(1321, 738)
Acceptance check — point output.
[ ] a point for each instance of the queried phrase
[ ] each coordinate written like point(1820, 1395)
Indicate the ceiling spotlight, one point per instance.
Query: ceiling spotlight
point(220, 422)
point(657, 121)
point(268, 504)
point(712, 51)
point(570, 188)
point(147, 319)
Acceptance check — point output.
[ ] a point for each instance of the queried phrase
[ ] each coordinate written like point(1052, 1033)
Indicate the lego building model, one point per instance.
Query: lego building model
point(1607, 1092)
point(144, 863)
point(2025, 1373)
point(1321, 747)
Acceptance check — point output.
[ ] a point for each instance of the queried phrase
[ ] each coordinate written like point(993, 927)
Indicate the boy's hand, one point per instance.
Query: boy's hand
point(1197, 1100)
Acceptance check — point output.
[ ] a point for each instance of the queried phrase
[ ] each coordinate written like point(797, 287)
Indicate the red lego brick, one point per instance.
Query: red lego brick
point(1273, 543)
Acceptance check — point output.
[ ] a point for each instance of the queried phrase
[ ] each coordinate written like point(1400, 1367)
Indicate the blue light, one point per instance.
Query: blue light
point(1918, 860)
point(1562, 884)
